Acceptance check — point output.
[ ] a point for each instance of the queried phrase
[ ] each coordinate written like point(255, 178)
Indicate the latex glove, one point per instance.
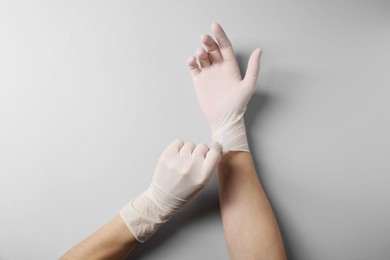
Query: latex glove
point(222, 94)
point(183, 170)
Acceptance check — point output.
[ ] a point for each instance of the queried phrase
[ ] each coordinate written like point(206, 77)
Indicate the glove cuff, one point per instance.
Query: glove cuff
point(145, 214)
point(231, 134)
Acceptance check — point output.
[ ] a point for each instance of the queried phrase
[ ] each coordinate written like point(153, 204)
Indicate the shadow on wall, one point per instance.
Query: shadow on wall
point(257, 106)
point(207, 204)
point(254, 109)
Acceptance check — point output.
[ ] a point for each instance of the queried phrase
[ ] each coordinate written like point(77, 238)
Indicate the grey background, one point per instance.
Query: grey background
point(91, 92)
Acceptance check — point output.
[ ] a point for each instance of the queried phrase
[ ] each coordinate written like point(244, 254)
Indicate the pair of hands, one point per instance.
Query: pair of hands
point(184, 169)
point(223, 97)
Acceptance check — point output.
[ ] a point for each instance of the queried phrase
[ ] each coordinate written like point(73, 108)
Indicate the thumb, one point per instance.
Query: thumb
point(213, 157)
point(252, 70)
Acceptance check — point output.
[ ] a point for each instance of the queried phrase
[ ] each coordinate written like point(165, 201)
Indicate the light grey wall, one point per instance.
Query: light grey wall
point(92, 91)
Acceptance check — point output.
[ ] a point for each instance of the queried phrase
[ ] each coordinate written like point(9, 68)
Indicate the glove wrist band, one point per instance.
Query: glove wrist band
point(145, 214)
point(232, 136)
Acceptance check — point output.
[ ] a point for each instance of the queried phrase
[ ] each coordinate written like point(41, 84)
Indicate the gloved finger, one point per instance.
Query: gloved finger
point(173, 148)
point(213, 157)
point(225, 46)
point(253, 67)
point(203, 58)
point(200, 151)
point(193, 66)
point(212, 48)
point(186, 150)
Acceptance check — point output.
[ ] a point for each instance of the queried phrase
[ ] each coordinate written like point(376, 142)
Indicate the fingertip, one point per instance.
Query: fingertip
point(201, 150)
point(253, 69)
point(178, 142)
point(215, 146)
point(187, 147)
point(193, 66)
point(217, 29)
point(191, 60)
point(214, 25)
point(256, 52)
point(200, 52)
point(203, 38)
point(203, 145)
point(259, 51)
point(174, 147)
point(214, 155)
point(207, 40)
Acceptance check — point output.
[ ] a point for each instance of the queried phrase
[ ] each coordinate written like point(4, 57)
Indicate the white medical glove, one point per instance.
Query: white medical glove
point(222, 94)
point(183, 170)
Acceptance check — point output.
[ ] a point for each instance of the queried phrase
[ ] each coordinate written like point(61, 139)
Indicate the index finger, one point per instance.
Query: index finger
point(173, 148)
point(213, 157)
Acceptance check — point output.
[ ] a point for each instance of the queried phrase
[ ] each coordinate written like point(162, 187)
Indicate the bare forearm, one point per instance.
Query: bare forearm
point(250, 227)
point(112, 241)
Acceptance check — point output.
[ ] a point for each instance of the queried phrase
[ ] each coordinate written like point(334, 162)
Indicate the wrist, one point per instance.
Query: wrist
point(233, 157)
point(231, 135)
point(235, 163)
point(138, 218)
point(145, 214)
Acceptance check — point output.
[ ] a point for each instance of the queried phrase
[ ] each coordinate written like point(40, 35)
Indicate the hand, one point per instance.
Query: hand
point(222, 94)
point(183, 170)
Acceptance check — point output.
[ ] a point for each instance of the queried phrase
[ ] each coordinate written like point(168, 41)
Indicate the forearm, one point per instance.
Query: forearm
point(250, 227)
point(182, 171)
point(112, 241)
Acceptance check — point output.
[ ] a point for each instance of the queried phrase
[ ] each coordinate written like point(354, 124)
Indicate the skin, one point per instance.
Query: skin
point(251, 230)
point(112, 241)
point(191, 167)
point(250, 227)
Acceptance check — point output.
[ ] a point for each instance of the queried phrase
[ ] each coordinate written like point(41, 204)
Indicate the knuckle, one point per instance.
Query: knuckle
point(177, 140)
point(203, 145)
point(187, 168)
point(200, 184)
